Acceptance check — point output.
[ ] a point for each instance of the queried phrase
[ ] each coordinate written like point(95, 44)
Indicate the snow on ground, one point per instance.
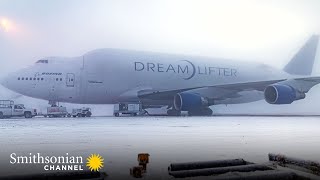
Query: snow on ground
point(168, 140)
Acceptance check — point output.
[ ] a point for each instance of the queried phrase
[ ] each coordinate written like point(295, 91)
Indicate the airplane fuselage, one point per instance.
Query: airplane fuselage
point(108, 76)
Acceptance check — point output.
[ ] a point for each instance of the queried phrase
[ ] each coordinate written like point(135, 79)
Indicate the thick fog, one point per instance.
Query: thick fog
point(266, 31)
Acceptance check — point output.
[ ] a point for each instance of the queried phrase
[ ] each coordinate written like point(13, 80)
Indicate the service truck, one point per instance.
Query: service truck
point(130, 108)
point(81, 112)
point(57, 111)
point(8, 109)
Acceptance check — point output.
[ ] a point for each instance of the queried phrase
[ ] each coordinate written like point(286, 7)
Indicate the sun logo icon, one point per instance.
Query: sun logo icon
point(95, 162)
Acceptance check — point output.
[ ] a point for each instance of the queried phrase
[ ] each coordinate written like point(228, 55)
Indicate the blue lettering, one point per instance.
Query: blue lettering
point(227, 72)
point(136, 66)
point(211, 70)
point(205, 70)
point(150, 67)
point(160, 66)
point(233, 72)
point(170, 68)
point(220, 71)
point(183, 70)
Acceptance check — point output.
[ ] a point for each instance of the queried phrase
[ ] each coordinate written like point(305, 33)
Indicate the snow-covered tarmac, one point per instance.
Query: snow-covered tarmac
point(166, 139)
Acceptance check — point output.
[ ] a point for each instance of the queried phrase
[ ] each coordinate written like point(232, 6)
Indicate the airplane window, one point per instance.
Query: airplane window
point(26, 78)
point(34, 79)
point(71, 79)
point(30, 78)
point(18, 78)
point(38, 79)
point(22, 78)
point(57, 79)
point(41, 79)
point(60, 79)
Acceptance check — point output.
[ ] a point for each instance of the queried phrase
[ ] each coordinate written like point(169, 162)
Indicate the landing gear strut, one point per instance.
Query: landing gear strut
point(53, 103)
point(200, 112)
point(173, 112)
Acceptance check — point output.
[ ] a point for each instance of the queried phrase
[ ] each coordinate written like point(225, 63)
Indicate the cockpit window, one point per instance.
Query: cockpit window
point(42, 61)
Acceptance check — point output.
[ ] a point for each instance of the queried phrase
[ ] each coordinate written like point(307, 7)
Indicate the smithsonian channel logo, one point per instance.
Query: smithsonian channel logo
point(66, 162)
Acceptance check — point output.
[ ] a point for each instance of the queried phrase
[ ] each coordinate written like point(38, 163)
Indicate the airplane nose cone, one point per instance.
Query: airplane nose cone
point(4, 82)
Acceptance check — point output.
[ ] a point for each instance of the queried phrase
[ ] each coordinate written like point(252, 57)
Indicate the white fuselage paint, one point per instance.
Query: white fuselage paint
point(108, 76)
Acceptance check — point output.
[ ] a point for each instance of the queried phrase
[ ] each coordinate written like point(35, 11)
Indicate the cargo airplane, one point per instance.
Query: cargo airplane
point(178, 82)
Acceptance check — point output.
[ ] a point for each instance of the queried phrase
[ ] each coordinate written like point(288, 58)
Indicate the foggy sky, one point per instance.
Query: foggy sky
point(267, 31)
point(262, 30)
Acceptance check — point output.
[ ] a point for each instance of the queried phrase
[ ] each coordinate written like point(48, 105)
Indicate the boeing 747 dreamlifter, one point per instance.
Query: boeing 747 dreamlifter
point(182, 83)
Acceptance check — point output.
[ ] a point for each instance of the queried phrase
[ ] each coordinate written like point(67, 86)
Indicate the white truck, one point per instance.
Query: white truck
point(8, 109)
point(128, 108)
point(81, 112)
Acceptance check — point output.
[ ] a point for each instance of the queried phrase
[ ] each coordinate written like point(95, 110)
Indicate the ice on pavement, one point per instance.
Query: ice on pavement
point(166, 139)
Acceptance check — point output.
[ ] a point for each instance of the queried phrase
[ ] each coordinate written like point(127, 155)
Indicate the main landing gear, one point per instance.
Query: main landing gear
point(194, 112)
point(173, 112)
point(200, 112)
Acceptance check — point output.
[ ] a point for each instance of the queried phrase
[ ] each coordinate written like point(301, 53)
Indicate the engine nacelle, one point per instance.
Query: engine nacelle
point(189, 101)
point(282, 94)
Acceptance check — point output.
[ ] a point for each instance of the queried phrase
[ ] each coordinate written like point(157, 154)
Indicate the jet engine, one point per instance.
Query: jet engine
point(189, 101)
point(282, 94)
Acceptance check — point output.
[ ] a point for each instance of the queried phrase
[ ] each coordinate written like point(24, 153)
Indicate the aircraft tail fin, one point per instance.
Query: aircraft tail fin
point(302, 62)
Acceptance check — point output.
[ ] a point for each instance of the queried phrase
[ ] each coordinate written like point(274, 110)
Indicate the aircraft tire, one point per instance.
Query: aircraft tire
point(88, 114)
point(201, 112)
point(173, 112)
point(27, 115)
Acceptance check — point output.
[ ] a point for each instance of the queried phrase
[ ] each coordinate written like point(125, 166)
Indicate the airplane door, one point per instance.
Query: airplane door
point(70, 80)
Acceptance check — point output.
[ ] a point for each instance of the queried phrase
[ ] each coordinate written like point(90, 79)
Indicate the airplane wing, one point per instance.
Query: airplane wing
point(300, 65)
point(303, 84)
point(223, 91)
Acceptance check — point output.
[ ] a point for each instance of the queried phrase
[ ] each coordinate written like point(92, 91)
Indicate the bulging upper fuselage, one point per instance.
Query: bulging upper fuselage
point(108, 76)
